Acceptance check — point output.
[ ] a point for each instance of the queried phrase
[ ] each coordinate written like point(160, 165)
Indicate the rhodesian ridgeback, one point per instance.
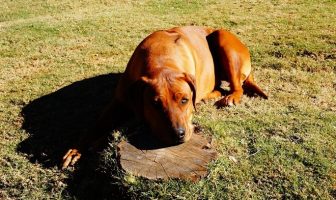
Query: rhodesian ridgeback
point(168, 74)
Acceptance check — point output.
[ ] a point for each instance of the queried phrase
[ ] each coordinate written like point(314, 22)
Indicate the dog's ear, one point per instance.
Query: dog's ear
point(190, 79)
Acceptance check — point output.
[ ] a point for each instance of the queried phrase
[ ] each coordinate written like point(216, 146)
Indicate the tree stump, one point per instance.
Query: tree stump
point(186, 161)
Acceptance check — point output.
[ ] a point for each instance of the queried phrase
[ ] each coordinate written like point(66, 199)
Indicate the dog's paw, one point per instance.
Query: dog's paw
point(71, 157)
point(229, 100)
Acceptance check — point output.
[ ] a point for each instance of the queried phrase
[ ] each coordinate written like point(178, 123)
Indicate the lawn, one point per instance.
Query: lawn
point(59, 63)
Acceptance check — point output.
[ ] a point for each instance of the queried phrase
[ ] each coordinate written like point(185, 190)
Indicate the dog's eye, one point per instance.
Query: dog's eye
point(184, 101)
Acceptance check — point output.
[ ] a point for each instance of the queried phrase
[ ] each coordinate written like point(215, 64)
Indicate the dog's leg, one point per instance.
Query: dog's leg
point(111, 117)
point(232, 63)
point(250, 87)
point(214, 94)
point(236, 89)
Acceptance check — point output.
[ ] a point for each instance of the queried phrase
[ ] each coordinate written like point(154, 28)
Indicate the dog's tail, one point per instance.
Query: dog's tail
point(252, 88)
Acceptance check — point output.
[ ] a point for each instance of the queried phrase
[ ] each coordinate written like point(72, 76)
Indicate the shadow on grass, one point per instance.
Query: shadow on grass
point(56, 121)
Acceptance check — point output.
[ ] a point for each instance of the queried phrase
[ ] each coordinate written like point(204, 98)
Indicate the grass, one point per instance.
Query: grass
point(56, 58)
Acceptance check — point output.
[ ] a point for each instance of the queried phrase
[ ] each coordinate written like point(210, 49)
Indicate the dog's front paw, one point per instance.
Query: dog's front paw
point(71, 157)
point(228, 100)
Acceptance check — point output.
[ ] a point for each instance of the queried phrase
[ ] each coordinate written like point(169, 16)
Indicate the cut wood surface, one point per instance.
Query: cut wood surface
point(185, 161)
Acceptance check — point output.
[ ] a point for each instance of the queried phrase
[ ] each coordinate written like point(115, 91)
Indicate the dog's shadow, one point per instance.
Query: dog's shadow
point(57, 120)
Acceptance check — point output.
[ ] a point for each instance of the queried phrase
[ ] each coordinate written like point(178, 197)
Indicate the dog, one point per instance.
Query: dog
point(168, 74)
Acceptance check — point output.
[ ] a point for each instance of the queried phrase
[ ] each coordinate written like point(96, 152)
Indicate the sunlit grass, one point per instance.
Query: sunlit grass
point(285, 146)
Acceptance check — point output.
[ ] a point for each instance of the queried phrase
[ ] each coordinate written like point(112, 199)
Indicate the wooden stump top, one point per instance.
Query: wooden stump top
point(185, 161)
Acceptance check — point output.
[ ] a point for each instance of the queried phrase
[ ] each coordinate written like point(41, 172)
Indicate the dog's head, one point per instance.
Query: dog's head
point(168, 102)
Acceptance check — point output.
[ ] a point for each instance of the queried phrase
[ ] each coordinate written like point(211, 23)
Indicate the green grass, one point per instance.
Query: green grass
point(54, 57)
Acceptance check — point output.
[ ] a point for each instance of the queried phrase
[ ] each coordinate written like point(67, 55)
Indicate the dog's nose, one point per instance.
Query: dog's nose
point(180, 133)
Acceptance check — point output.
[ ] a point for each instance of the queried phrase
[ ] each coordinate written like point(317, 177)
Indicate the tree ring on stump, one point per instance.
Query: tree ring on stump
point(186, 161)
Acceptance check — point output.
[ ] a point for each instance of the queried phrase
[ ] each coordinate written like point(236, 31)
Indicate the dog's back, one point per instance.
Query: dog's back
point(184, 49)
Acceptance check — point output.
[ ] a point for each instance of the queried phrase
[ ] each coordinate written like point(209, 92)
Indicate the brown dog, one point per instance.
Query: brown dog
point(168, 73)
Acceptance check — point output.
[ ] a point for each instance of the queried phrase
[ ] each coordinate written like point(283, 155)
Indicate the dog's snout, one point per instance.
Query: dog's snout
point(180, 133)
